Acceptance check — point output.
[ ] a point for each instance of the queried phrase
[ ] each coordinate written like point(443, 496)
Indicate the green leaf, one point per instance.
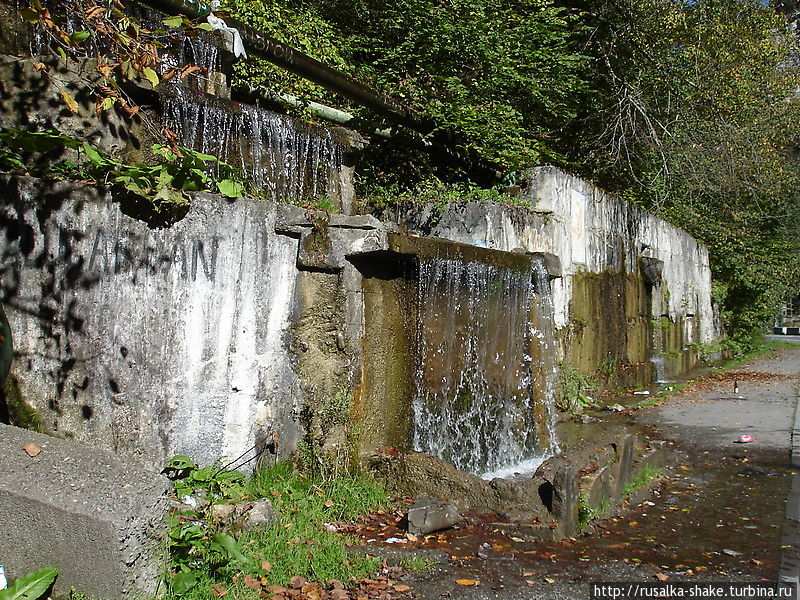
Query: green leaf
point(79, 36)
point(230, 547)
point(205, 27)
point(230, 188)
point(151, 76)
point(174, 21)
point(94, 155)
point(183, 582)
point(30, 15)
point(168, 154)
point(107, 103)
point(180, 462)
point(168, 194)
point(201, 156)
point(31, 586)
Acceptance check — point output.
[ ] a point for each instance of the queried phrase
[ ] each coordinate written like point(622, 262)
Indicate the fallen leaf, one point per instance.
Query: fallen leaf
point(467, 581)
point(266, 566)
point(756, 562)
point(411, 537)
point(219, 590)
point(527, 574)
point(633, 524)
point(516, 539)
point(329, 503)
point(401, 588)
point(548, 580)
point(69, 101)
point(252, 583)
point(660, 576)
point(277, 589)
point(32, 449)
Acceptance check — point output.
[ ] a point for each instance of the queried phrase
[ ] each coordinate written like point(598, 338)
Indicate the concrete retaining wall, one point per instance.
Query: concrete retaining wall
point(207, 335)
point(630, 281)
point(96, 518)
point(149, 341)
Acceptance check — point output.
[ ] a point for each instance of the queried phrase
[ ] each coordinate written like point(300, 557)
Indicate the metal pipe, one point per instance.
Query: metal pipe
point(328, 113)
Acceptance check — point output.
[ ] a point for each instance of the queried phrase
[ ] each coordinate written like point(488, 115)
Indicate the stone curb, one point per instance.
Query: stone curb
point(789, 570)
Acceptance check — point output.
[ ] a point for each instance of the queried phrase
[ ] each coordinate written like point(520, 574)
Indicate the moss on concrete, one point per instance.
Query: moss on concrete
point(610, 331)
point(19, 412)
point(383, 408)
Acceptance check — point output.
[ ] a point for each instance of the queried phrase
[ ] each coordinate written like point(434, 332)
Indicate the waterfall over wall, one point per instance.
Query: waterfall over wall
point(484, 365)
point(283, 159)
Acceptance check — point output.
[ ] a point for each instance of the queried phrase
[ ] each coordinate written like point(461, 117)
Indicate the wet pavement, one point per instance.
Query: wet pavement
point(716, 515)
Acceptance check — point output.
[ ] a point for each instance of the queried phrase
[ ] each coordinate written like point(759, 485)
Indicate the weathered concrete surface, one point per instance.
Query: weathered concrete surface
point(150, 341)
point(95, 517)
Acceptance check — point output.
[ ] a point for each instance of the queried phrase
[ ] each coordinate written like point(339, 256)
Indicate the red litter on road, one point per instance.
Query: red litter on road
point(744, 439)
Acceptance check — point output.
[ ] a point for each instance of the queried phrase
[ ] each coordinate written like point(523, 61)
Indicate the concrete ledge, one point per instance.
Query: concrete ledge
point(82, 510)
point(786, 330)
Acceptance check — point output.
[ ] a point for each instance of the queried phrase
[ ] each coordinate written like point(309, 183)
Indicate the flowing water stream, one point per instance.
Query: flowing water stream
point(484, 367)
point(283, 159)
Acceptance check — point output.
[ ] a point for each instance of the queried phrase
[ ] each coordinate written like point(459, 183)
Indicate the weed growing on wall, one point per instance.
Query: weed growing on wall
point(572, 388)
point(641, 480)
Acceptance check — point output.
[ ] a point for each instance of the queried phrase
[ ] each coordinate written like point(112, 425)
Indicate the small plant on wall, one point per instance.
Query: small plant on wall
point(572, 388)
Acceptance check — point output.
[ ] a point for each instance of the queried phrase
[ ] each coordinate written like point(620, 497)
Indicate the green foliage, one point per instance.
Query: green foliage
point(203, 554)
point(31, 586)
point(219, 482)
point(176, 171)
point(697, 118)
point(572, 387)
point(641, 480)
point(588, 512)
point(431, 191)
point(194, 546)
point(496, 72)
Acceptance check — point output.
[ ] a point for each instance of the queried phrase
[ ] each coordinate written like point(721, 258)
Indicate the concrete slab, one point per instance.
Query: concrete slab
point(85, 511)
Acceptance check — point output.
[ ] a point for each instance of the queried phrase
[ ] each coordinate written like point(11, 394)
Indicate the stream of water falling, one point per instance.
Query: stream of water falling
point(285, 161)
point(485, 366)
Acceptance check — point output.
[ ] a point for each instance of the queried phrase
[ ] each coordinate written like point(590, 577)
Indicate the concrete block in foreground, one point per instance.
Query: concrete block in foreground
point(85, 511)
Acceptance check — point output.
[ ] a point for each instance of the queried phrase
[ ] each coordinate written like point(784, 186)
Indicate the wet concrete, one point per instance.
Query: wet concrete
point(715, 515)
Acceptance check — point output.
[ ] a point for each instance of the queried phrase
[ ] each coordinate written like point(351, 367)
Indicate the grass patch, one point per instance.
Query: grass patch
point(588, 512)
point(205, 556)
point(300, 544)
point(416, 563)
point(641, 480)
